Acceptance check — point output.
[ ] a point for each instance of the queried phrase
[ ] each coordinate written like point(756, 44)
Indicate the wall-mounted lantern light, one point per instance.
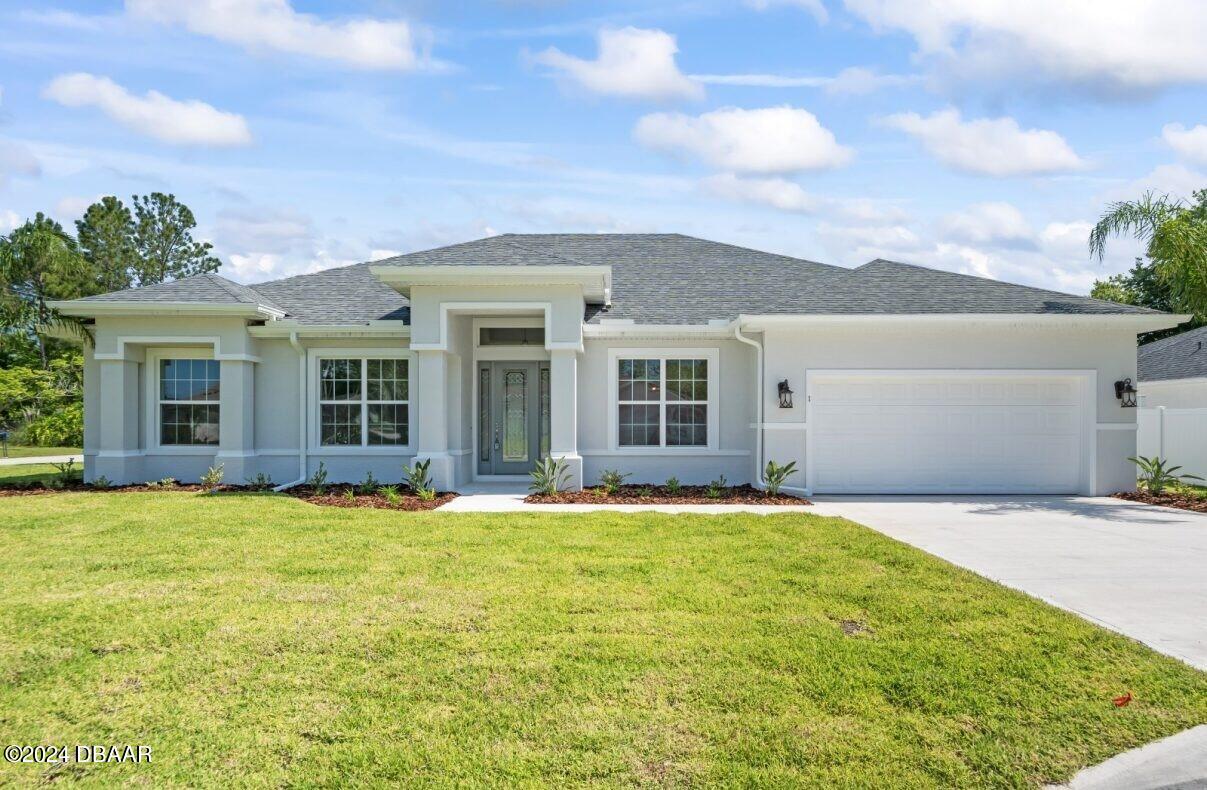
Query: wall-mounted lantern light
point(785, 395)
point(1125, 391)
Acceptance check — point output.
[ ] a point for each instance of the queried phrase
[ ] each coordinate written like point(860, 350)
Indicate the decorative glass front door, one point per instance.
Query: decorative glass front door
point(513, 416)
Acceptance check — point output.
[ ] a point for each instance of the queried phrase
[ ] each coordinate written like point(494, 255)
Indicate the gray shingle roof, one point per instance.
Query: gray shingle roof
point(1181, 356)
point(203, 289)
point(656, 279)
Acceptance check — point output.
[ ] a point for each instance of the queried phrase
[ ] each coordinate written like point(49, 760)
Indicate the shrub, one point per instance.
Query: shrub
point(67, 473)
point(419, 481)
point(612, 480)
point(673, 486)
point(261, 482)
point(350, 493)
point(775, 475)
point(212, 478)
point(318, 480)
point(549, 476)
point(63, 428)
point(166, 482)
point(101, 482)
point(1155, 476)
point(717, 488)
point(391, 494)
point(645, 492)
point(370, 484)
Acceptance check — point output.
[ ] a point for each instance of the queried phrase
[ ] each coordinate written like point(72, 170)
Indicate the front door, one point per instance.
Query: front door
point(513, 416)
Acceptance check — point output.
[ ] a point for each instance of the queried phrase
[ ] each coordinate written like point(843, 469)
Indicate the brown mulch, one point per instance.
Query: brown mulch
point(336, 496)
point(1180, 501)
point(30, 489)
point(658, 495)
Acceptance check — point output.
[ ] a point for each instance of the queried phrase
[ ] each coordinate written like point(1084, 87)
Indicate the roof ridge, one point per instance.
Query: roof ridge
point(575, 261)
point(226, 285)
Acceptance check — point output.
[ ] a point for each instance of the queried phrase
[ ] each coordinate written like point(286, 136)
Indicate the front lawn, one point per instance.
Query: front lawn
point(21, 451)
point(25, 474)
point(260, 640)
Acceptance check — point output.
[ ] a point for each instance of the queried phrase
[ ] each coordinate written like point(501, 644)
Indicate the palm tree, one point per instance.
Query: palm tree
point(1176, 237)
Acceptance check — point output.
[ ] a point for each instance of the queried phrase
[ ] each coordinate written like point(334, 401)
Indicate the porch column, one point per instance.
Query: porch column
point(430, 422)
point(563, 413)
point(236, 421)
point(118, 457)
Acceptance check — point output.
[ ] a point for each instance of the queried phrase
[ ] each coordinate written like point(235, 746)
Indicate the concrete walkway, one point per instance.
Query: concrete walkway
point(1179, 761)
point(41, 459)
point(1133, 568)
point(509, 498)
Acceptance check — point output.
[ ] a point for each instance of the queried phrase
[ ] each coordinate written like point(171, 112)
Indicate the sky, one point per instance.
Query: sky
point(984, 138)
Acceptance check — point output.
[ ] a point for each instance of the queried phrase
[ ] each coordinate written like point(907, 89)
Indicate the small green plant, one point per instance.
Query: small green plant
point(165, 482)
point(261, 482)
point(775, 475)
point(391, 494)
point(717, 488)
point(645, 492)
point(612, 480)
point(1155, 476)
point(549, 476)
point(318, 480)
point(212, 479)
point(673, 486)
point(370, 484)
point(350, 493)
point(419, 481)
point(67, 472)
point(101, 483)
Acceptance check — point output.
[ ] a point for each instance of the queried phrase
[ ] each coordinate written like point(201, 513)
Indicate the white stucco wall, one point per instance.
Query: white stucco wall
point(1111, 354)
point(1174, 394)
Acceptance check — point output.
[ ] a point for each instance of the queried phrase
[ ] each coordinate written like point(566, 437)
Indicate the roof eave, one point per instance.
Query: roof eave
point(1140, 322)
point(89, 309)
point(595, 281)
point(378, 328)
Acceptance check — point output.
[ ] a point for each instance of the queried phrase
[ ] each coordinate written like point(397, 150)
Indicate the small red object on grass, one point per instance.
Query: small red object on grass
point(1122, 701)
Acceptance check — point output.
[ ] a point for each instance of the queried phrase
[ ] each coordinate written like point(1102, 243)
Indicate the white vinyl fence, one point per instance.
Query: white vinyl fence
point(1177, 435)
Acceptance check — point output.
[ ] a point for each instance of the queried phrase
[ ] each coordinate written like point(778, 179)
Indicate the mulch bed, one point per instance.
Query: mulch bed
point(659, 495)
point(336, 496)
point(1180, 501)
point(31, 489)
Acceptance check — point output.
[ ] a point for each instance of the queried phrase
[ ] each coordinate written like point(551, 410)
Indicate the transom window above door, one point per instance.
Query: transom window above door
point(664, 401)
point(364, 402)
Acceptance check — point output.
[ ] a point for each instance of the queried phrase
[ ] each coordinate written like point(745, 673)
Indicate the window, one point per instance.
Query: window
point(188, 401)
point(364, 402)
point(662, 402)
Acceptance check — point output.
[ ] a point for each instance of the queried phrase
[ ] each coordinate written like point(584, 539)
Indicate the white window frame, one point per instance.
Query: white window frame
point(154, 399)
point(314, 391)
point(711, 355)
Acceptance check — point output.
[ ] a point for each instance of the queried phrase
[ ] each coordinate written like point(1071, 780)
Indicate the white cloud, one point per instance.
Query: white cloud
point(767, 141)
point(988, 146)
point(73, 207)
point(856, 80)
point(633, 63)
point(814, 7)
point(1189, 144)
point(16, 159)
point(274, 25)
point(1178, 181)
point(785, 195)
point(9, 220)
point(1118, 44)
point(153, 114)
point(987, 223)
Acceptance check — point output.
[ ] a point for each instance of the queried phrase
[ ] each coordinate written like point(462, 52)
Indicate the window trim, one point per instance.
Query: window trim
point(150, 375)
point(712, 355)
point(315, 406)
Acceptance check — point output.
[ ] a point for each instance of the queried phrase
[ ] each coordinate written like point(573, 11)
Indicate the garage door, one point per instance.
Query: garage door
point(930, 433)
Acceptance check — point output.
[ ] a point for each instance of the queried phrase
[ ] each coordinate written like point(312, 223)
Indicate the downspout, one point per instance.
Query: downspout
point(302, 476)
point(758, 402)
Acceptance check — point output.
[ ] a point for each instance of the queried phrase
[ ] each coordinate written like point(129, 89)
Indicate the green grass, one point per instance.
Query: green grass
point(18, 451)
point(261, 641)
point(30, 473)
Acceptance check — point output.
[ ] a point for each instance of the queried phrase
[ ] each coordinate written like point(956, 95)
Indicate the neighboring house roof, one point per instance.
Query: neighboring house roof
point(659, 279)
point(1181, 356)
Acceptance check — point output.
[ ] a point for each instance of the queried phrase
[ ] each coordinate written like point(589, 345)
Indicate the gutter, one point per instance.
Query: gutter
point(760, 482)
point(302, 443)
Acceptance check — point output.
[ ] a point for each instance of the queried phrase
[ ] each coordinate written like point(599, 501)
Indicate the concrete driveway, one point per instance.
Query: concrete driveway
point(1136, 569)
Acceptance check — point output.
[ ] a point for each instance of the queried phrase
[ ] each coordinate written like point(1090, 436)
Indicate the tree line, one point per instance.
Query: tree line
point(115, 246)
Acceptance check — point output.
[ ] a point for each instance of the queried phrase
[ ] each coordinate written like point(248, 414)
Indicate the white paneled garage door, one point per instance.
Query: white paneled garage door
point(912, 432)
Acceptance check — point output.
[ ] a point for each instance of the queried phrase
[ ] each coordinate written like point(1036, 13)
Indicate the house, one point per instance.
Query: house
point(658, 355)
point(1173, 371)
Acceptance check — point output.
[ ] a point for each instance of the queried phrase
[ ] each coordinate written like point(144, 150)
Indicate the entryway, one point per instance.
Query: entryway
point(513, 416)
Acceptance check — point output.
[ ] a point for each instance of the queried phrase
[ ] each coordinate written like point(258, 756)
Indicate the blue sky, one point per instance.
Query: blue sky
point(978, 137)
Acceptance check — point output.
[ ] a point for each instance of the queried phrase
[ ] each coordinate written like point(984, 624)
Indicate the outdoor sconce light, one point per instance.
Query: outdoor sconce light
point(1126, 393)
point(785, 395)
